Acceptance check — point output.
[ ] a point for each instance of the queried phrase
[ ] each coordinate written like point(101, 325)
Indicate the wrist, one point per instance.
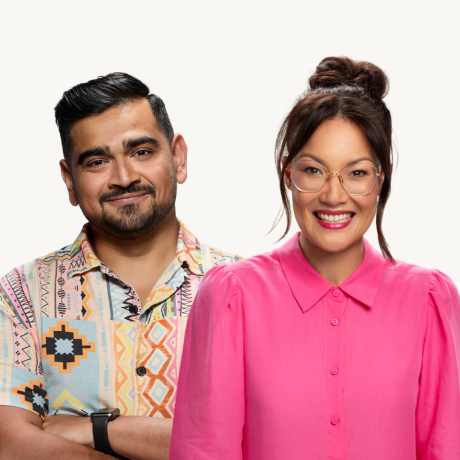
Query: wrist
point(100, 420)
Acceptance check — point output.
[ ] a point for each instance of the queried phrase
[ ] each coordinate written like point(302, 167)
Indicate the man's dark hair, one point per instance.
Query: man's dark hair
point(96, 96)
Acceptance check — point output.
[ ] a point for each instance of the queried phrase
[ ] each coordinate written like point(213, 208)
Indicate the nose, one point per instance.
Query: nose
point(123, 174)
point(332, 192)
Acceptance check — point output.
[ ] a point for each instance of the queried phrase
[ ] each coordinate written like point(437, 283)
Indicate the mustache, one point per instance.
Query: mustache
point(131, 189)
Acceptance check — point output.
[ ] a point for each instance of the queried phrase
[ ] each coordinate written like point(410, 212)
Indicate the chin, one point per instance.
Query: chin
point(332, 243)
point(335, 247)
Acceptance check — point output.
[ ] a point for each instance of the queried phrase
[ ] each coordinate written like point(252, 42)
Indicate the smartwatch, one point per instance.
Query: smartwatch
point(100, 419)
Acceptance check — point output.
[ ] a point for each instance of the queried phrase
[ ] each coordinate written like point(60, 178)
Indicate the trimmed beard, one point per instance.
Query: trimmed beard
point(129, 222)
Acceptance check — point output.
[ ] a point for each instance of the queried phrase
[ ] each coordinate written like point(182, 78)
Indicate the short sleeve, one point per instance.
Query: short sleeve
point(438, 404)
point(210, 410)
point(21, 375)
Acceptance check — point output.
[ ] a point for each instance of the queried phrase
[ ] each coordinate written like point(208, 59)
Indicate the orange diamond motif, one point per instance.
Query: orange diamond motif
point(64, 347)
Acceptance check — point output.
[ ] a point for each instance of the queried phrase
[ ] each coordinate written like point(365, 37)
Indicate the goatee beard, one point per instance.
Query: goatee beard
point(129, 222)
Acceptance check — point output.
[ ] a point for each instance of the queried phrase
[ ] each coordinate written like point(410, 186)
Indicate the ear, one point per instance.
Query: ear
point(179, 152)
point(287, 173)
point(68, 179)
point(381, 181)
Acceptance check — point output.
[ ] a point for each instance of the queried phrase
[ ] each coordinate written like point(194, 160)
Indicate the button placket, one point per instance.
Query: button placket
point(335, 302)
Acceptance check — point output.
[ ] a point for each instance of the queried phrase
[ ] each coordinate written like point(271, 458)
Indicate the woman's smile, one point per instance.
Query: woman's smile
point(334, 220)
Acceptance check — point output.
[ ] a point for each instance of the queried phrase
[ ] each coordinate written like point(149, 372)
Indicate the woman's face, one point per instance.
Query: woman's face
point(335, 144)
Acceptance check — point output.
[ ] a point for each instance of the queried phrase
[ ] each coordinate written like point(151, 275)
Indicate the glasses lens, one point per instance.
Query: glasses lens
point(359, 178)
point(308, 176)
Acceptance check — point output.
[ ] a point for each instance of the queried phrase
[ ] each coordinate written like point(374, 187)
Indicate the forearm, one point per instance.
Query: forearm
point(21, 441)
point(140, 438)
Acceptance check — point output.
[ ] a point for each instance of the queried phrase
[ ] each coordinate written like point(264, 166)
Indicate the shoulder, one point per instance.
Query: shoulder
point(213, 257)
point(401, 268)
point(434, 277)
point(224, 286)
point(251, 268)
point(443, 295)
point(20, 278)
point(440, 289)
point(409, 275)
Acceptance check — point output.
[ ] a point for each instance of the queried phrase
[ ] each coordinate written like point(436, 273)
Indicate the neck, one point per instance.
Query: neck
point(152, 252)
point(334, 267)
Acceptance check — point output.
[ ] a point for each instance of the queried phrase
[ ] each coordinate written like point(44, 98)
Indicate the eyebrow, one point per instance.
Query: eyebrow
point(98, 151)
point(127, 145)
point(133, 143)
point(318, 160)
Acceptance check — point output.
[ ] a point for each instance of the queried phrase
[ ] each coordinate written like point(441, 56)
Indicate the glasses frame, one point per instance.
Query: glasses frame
point(339, 175)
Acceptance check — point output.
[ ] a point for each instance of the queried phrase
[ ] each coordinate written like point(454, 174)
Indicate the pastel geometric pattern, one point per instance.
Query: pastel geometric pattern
point(123, 335)
point(54, 309)
point(156, 389)
point(156, 361)
point(34, 396)
point(158, 333)
point(64, 347)
point(67, 399)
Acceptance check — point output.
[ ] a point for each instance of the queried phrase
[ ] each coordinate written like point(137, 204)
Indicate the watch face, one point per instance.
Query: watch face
point(109, 413)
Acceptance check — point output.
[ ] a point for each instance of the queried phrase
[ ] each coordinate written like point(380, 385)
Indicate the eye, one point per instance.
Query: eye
point(95, 163)
point(358, 173)
point(312, 171)
point(141, 153)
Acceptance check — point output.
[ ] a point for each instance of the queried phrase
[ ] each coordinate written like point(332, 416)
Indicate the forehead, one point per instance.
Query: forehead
point(111, 127)
point(337, 142)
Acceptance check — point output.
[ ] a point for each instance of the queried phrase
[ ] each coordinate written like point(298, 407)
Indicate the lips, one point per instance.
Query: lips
point(126, 197)
point(334, 220)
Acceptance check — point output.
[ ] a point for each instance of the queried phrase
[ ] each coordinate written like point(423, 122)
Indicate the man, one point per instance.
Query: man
point(100, 323)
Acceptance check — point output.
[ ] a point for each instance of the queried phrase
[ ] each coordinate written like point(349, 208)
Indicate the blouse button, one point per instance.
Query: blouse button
point(334, 321)
point(334, 371)
point(335, 292)
point(334, 420)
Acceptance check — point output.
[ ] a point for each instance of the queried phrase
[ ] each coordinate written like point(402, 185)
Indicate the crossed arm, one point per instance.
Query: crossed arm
point(23, 436)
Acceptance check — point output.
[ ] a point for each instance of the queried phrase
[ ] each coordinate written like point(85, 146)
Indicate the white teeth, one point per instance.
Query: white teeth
point(337, 218)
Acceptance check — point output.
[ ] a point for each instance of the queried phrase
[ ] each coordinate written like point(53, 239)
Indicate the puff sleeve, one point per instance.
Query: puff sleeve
point(438, 404)
point(210, 409)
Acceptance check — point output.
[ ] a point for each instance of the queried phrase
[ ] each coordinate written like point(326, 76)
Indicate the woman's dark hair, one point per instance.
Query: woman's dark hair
point(346, 89)
point(96, 96)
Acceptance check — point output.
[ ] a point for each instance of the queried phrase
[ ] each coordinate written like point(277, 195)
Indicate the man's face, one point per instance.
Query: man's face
point(124, 171)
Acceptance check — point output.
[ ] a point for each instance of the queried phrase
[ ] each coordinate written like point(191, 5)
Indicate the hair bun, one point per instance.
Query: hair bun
point(336, 71)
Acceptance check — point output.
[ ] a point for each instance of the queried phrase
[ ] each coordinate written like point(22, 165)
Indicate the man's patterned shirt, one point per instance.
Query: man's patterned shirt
point(74, 337)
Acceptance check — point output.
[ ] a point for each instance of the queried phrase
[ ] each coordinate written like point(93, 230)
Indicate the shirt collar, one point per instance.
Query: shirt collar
point(82, 255)
point(308, 287)
point(83, 258)
point(364, 284)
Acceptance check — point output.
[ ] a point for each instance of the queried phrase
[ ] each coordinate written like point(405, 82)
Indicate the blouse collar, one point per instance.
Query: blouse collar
point(308, 287)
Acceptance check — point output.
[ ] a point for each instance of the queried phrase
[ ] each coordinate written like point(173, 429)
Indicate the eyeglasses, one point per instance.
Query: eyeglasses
point(356, 179)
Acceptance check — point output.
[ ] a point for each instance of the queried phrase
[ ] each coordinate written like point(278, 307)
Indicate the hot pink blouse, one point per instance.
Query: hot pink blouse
point(279, 364)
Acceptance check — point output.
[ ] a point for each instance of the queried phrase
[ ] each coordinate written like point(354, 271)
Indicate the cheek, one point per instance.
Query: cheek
point(89, 189)
point(301, 205)
point(158, 174)
point(368, 207)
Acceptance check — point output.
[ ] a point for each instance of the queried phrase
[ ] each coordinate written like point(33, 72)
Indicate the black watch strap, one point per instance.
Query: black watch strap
point(101, 436)
point(100, 433)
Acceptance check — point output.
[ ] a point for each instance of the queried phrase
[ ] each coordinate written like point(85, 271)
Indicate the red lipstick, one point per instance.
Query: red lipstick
point(333, 225)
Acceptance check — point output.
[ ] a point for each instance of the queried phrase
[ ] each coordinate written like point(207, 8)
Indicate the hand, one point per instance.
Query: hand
point(74, 428)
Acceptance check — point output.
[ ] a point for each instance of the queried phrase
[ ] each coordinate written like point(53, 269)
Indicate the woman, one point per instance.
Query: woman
point(324, 348)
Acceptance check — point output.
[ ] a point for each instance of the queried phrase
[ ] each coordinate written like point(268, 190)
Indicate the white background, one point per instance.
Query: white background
point(228, 73)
